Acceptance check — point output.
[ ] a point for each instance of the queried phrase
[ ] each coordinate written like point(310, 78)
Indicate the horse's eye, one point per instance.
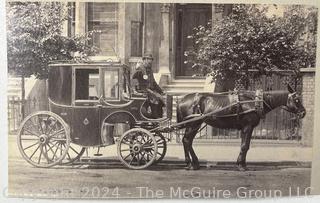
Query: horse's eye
point(297, 100)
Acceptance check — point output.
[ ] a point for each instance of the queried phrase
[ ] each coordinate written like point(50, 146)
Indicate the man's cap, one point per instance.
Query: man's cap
point(147, 56)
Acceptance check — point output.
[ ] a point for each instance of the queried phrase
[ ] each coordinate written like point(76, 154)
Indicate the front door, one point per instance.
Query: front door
point(189, 16)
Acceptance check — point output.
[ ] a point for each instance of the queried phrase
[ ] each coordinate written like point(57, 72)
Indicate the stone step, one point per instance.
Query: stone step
point(184, 88)
point(14, 89)
point(179, 81)
point(181, 92)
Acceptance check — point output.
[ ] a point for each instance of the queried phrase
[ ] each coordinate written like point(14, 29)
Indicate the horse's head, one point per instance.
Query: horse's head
point(294, 103)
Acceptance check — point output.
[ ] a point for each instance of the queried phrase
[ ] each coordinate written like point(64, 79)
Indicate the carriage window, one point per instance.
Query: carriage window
point(111, 84)
point(87, 84)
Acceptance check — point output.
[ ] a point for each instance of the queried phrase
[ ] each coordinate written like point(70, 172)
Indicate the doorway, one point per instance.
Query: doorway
point(188, 16)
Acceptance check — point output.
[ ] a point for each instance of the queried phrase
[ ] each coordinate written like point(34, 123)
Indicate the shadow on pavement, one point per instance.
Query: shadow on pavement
point(173, 163)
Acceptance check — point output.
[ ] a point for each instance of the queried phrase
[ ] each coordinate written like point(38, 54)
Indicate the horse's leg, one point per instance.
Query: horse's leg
point(185, 141)
point(246, 133)
point(189, 136)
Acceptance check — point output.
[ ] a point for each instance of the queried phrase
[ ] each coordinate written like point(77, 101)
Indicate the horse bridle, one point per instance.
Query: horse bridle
point(290, 95)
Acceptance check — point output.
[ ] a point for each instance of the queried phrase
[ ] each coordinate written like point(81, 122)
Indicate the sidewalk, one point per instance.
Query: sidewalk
point(228, 153)
point(211, 152)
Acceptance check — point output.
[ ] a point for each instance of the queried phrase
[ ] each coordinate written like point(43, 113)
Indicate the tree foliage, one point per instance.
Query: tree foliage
point(34, 37)
point(250, 39)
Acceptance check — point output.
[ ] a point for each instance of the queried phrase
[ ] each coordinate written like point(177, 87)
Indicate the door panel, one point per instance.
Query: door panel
point(188, 17)
point(86, 126)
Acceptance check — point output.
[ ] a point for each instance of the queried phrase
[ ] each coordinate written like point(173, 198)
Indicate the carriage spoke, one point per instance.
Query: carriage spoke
point(31, 146)
point(138, 155)
point(51, 127)
point(148, 147)
point(142, 156)
point(46, 154)
point(125, 150)
point(31, 132)
point(74, 150)
point(57, 132)
point(134, 156)
point(160, 142)
point(68, 155)
point(50, 148)
point(54, 155)
point(148, 141)
point(131, 153)
point(41, 148)
point(29, 138)
point(126, 143)
point(34, 125)
point(34, 152)
point(40, 124)
point(143, 138)
point(59, 139)
point(40, 138)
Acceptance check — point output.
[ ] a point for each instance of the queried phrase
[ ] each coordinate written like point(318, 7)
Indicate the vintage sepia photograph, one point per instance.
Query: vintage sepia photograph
point(171, 100)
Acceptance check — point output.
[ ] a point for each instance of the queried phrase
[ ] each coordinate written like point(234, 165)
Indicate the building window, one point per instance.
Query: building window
point(137, 32)
point(136, 38)
point(71, 19)
point(103, 18)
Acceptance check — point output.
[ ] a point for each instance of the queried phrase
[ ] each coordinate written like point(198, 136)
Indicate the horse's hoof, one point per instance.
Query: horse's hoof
point(188, 167)
point(194, 168)
point(242, 168)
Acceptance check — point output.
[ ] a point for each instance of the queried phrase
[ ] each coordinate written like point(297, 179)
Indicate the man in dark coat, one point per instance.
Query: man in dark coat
point(147, 85)
point(144, 76)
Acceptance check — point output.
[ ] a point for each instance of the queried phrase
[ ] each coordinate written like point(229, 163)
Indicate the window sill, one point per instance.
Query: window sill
point(105, 58)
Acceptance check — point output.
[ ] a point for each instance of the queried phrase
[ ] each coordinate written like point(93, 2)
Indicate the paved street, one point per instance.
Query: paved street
point(107, 178)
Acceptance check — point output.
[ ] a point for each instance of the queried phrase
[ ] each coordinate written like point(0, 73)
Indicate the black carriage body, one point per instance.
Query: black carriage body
point(75, 93)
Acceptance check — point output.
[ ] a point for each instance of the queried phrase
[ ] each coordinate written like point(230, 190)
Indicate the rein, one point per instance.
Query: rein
point(197, 118)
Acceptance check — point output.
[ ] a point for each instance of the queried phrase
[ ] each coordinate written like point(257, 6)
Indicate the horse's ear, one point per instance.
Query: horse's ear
point(290, 89)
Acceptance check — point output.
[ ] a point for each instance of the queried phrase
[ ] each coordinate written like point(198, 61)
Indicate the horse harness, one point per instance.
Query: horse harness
point(234, 99)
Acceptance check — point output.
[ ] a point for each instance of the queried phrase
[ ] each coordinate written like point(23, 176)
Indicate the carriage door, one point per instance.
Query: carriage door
point(86, 115)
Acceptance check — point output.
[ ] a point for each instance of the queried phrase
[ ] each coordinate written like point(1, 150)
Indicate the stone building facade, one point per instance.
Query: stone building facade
point(128, 30)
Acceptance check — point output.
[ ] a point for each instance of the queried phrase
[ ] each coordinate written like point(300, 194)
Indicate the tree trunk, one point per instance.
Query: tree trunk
point(23, 93)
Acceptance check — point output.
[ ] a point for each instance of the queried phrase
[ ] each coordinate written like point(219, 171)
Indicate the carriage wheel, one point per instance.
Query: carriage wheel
point(162, 147)
point(137, 148)
point(74, 153)
point(44, 139)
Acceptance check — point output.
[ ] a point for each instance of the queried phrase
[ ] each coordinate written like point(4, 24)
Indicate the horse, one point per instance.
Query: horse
point(243, 117)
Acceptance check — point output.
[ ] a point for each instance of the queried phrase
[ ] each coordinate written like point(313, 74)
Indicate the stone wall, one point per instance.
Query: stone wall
point(308, 90)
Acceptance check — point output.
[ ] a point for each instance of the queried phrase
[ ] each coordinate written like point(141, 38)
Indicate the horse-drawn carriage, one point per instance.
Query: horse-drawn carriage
point(90, 105)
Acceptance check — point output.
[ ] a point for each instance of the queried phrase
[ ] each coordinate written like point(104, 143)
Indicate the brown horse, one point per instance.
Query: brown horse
point(244, 117)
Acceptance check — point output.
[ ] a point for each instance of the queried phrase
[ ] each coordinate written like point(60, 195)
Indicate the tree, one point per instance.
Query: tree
point(249, 39)
point(34, 39)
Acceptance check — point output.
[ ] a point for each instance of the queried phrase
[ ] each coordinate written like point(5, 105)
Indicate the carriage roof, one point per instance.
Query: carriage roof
point(89, 64)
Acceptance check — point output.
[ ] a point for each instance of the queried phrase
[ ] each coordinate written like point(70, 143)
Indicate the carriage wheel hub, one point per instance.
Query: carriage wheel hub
point(43, 139)
point(136, 148)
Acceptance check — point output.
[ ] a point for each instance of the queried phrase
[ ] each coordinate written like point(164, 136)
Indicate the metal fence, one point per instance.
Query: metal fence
point(15, 116)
